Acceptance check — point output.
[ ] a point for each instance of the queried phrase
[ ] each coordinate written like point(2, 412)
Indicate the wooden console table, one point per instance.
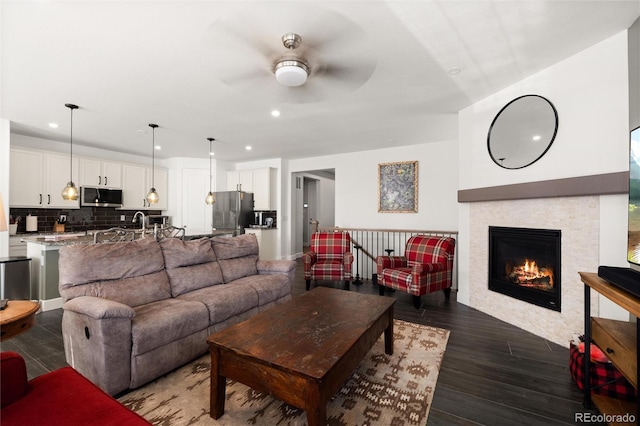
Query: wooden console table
point(619, 339)
point(17, 317)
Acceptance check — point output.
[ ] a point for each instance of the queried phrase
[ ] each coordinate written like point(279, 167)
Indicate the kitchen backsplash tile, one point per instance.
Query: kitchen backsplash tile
point(78, 219)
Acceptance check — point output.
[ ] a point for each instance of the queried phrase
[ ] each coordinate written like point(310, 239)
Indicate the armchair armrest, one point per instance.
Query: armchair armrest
point(347, 259)
point(309, 259)
point(99, 308)
point(14, 384)
point(419, 268)
point(385, 262)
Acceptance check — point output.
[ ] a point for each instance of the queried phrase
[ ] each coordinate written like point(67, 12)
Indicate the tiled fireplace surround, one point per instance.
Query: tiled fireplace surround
point(578, 219)
point(576, 214)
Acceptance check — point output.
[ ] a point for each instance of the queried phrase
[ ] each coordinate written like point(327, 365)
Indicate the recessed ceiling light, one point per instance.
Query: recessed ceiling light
point(212, 153)
point(536, 137)
point(454, 70)
point(275, 113)
point(53, 125)
point(248, 147)
point(158, 147)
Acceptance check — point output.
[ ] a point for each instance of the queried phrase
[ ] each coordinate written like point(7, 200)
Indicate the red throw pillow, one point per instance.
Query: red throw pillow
point(596, 354)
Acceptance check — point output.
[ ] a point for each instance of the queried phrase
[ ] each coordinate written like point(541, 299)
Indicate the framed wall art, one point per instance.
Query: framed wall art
point(398, 187)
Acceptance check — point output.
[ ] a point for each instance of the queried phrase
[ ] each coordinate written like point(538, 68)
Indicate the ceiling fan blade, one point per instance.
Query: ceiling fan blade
point(330, 31)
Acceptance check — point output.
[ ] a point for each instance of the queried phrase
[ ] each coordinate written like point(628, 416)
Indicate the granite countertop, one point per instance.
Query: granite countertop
point(58, 240)
point(69, 238)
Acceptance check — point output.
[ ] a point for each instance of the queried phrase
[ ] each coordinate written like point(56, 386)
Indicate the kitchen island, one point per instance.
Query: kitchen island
point(43, 251)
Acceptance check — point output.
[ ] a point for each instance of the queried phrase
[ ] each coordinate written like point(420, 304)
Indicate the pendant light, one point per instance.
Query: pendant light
point(152, 195)
point(211, 198)
point(70, 192)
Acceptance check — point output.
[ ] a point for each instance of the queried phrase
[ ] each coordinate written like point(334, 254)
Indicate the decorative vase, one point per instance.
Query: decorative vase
point(13, 228)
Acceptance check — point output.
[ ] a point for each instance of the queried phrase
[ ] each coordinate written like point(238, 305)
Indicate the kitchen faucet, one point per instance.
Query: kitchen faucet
point(143, 220)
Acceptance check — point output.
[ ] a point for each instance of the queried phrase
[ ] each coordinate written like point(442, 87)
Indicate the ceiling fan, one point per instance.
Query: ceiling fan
point(291, 71)
point(328, 55)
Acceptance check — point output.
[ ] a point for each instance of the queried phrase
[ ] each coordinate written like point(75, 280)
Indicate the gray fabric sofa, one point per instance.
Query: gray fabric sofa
point(136, 310)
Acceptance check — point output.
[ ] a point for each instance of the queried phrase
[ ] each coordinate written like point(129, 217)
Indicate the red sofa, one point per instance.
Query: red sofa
point(61, 397)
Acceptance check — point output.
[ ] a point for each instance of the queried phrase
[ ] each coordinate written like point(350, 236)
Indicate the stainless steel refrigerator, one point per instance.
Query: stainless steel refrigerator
point(233, 210)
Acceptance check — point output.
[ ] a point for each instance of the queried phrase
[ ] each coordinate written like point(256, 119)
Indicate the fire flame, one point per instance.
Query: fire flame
point(529, 271)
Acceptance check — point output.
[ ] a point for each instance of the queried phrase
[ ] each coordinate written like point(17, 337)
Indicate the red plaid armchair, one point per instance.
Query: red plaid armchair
point(329, 257)
point(427, 266)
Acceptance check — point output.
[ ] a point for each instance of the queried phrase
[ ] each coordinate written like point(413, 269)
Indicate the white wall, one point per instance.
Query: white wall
point(356, 187)
point(5, 139)
point(590, 91)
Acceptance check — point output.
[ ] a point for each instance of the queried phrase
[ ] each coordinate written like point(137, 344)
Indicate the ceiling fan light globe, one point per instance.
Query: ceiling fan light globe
point(291, 75)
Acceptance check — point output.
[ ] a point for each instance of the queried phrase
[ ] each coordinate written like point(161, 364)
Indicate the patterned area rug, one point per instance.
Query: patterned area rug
point(391, 390)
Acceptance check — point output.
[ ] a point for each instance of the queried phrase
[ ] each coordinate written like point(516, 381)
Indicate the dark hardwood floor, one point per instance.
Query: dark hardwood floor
point(492, 374)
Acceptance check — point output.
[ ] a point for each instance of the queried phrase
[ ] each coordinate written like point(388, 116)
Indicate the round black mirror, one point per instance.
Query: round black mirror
point(522, 132)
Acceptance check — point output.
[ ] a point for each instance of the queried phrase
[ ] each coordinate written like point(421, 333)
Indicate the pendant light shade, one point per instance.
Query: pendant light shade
point(70, 192)
point(152, 195)
point(211, 197)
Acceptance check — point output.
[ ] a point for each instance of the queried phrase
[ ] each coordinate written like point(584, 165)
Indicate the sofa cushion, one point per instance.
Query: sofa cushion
point(269, 288)
point(237, 256)
point(82, 263)
point(184, 253)
point(128, 272)
point(224, 301)
point(190, 264)
point(133, 291)
point(159, 323)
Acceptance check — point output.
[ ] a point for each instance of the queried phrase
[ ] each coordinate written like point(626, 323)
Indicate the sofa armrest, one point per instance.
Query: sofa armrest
point(13, 371)
point(277, 266)
point(99, 308)
point(98, 341)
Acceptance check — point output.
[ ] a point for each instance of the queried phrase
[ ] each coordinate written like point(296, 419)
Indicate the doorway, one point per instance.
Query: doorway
point(313, 198)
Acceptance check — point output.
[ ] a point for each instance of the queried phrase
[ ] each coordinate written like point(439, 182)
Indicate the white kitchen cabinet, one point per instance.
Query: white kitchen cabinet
point(134, 190)
point(261, 182)
point(244, 178)
point(267, 242)
point(136, 182)
point(105, 174)
point(264, 189)
point(56, 178)
point(37, 179)
point(26, 176)
point(17, 247)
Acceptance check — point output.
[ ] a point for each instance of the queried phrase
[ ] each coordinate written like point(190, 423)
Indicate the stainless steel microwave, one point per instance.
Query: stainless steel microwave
point(100, 197)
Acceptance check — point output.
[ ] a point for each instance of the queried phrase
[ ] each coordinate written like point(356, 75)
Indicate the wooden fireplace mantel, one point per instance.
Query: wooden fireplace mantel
point(603, 184)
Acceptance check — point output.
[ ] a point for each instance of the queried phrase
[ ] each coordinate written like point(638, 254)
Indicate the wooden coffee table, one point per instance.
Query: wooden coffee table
point(302, 351)
point(17, 317)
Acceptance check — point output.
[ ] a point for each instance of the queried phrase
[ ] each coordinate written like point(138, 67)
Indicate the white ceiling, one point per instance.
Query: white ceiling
point(380, 69)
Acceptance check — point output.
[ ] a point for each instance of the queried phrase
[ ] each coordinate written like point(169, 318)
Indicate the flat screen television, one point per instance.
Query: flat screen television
point(633, 240)
point(629, 278)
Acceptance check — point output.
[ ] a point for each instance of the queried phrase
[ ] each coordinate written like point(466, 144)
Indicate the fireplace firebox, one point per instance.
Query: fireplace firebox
point(524, 263)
